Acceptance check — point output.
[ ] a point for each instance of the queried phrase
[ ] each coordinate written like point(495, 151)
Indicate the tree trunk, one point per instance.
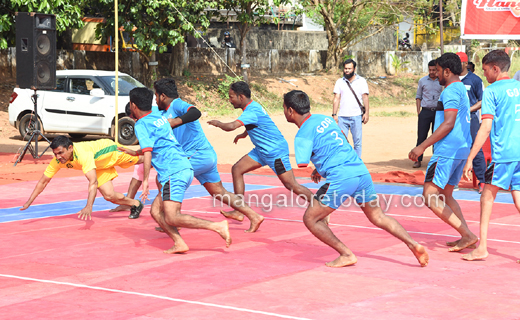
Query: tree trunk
point(177, 59)
point(243, 60)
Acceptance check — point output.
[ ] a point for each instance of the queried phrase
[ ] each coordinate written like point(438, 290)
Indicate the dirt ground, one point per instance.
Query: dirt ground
point(386, 140)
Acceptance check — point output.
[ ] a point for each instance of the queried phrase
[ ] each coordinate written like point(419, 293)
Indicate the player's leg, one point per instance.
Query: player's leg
point(133, 187)
point(454, 206)
point(217, 190)
point(366, 196)
point(314, 221)
point(486, 207)
point(157, 213)
point(173, 194)
point(479, 162)
point(247, 163)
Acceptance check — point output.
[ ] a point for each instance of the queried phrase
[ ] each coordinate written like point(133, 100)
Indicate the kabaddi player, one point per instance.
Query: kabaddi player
point(97, 159)
point(183, 118)
point(501, 119)
point(174, 171)
point(270, 149)
point(452, 141)
point(320, 140)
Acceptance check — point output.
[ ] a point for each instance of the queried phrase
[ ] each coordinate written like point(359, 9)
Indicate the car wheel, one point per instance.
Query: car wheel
point(77, 135)
point(28, 124)
point(126, 134)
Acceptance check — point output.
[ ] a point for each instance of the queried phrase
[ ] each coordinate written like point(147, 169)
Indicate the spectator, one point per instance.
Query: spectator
point(428, 93)
point(351, 98)
point(228, 41)
point(517, 76)
point(475, 88)
point(471, 67)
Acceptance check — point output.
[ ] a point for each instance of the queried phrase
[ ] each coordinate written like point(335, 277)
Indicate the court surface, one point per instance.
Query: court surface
point(55, 266)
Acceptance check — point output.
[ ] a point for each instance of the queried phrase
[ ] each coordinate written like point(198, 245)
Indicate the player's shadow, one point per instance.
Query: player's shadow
point(88, 225)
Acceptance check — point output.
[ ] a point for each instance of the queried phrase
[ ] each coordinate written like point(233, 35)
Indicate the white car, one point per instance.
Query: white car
point(82, 103)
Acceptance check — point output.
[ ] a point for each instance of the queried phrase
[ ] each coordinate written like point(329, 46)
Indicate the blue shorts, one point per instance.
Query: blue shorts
point(204, 163)
point(173, 189)
point(334, 193)
point(279, 163)
point(442, 171)
point(504, 175)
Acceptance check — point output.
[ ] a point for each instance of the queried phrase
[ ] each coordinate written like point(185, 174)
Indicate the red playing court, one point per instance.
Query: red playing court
point(54, 266)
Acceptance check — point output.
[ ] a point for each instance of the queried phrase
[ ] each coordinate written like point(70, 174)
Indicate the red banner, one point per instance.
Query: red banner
point(490, 19)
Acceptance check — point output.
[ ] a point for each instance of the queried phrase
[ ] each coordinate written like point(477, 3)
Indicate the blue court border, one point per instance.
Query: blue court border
point(197, 191)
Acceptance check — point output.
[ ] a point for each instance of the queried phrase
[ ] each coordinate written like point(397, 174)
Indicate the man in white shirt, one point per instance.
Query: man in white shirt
point(350, 115)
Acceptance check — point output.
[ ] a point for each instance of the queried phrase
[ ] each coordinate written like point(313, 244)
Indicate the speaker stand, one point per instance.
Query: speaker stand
point(35, 135)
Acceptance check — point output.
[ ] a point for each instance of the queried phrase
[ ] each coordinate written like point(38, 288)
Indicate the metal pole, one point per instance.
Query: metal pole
point(116, 134)
point(442, 29)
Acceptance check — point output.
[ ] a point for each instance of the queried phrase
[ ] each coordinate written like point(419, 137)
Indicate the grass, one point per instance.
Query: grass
point(393, 114)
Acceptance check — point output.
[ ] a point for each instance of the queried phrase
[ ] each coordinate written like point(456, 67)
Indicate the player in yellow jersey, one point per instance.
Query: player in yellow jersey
point(97, 159)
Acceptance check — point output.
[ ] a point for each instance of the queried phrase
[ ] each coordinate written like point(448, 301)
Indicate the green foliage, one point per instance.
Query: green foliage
point(155, 25)
point(223, 86)
point(68, 15)
point(398, 64)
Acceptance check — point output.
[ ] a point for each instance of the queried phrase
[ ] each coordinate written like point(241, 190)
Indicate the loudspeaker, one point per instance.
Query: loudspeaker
point(35, 50)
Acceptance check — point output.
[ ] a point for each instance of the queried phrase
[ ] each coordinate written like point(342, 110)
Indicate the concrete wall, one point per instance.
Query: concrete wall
point(205, 61)
point(386, 40)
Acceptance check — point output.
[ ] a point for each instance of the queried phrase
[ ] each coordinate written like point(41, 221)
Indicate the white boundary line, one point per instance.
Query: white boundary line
point(206, 304)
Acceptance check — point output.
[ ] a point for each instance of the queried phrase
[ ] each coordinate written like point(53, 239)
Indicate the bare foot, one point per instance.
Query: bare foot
point(223, 230)
point(177, 248)
point(454, 243)
point(420, 253)
point(342, 261)
point(255, 224)
point(477, 254)
point(120, 208)
point(235, 215)
point(464, 243)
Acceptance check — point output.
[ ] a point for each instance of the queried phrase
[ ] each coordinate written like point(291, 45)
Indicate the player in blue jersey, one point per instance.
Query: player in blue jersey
point(452, 141)
point(174, 172)
point(270, 149)
point(501, 122)
point(183, 118)
point(321, 141)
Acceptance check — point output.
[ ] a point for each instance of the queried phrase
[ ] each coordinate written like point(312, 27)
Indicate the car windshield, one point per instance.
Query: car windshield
point(126, 83)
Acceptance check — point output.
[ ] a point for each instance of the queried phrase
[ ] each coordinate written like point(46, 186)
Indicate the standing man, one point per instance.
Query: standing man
point(320, 140)
point(174, 172)
point(270, 149)
point(452, 141)
point(501, 119)
point(428, 93)
point(474, 89)
point(97, 159)
point(351, 98)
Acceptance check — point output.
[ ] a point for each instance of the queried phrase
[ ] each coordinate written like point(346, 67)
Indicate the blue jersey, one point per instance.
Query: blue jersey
point(474, 87)
point(190, 135)
point(457, 143)
point(321, 141)
point(501, 103)
point(155, 134)
point(264, 134)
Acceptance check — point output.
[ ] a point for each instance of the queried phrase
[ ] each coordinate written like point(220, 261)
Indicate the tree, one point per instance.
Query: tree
point(68, 15)
point(351, 21)
point(249, 13)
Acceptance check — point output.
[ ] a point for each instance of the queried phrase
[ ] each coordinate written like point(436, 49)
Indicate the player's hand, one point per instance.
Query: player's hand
point(415, 153)
point(215, 123)
point(25, 206)
point(335, 118)
point(85, 214)
point(127, 151)
point(146, 192)
point(468, 168)
point(238, 137)
point(315, 176)
point(365, 118)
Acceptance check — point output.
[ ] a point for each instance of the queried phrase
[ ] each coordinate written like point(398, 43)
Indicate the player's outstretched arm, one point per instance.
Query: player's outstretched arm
point(446, 126)
point(44, 180)
point(226, 126)
point(86, 213)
